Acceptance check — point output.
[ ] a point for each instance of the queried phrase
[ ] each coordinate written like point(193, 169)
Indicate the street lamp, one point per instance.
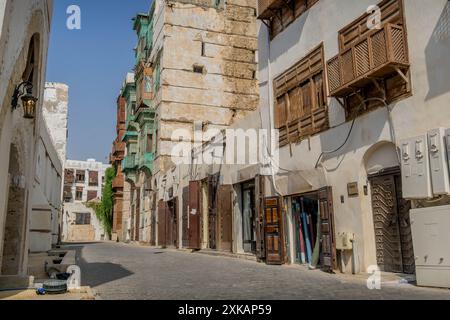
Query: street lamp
point(24, 92)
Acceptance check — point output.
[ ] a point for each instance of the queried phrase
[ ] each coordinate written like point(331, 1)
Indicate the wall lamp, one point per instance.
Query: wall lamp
point(24, 91)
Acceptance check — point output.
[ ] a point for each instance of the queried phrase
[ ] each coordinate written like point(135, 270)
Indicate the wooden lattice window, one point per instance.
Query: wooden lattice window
point(372, 68)
point(69, 176)
point(81, 176)
point(301, 103)
point(93, 178)
point(91, 195)
point(279, 14)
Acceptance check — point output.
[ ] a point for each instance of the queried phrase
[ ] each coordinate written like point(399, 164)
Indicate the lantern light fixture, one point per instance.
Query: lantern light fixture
point(24, 91)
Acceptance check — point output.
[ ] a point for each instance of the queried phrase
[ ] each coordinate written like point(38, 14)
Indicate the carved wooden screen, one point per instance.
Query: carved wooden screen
point(301, 103)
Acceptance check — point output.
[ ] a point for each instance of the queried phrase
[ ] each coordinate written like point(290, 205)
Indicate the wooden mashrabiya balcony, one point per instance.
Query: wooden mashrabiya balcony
point(380, 53)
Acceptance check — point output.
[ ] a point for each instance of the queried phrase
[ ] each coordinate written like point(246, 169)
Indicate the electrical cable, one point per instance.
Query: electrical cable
point(353, 125)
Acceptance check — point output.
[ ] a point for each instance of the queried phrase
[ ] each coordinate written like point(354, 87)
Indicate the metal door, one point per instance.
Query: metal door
point(392, 225)
point(194, 215)
point(273, 226)
point(327, 229)
point(225, 213)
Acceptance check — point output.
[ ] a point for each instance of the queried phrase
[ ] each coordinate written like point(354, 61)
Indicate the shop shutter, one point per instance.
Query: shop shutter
point(327, 229)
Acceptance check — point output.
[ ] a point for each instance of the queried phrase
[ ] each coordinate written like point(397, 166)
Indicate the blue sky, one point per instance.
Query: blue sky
point(93, 61)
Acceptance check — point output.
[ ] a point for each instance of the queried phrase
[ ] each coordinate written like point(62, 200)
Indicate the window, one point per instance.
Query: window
point(149, 144)
point(91, 195)
point(199, 69)
point(81, 176)
point(69, 176)
point(93, 178)
point(301, 103)
point(79, 194)
point(82, 218)
point(279, 14)
point(67, 194)
point(372, 65)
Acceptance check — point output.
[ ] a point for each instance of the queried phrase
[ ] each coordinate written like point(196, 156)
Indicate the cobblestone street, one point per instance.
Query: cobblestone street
point(119, 271)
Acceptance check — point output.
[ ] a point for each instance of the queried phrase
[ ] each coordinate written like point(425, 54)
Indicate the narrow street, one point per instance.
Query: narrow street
point(127, 272)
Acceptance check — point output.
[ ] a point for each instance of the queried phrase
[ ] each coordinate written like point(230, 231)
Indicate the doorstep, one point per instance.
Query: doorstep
point(243, 256)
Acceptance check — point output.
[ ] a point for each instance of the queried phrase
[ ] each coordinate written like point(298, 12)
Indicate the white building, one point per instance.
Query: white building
point(83, 182)
point(24, 33)
point(46, 197)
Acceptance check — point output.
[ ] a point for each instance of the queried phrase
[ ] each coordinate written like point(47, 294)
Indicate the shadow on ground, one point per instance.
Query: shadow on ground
point(99, 272)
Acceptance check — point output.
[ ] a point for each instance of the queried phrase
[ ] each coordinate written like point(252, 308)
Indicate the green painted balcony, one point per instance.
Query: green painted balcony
point(146, 161)
point(130, 137)
point(129, 163)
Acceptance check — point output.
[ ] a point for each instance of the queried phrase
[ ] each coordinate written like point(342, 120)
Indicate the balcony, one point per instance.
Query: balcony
point(146, 161)
point(380, 53)
point(118, 148)
point(266, 8)
point(129, 163)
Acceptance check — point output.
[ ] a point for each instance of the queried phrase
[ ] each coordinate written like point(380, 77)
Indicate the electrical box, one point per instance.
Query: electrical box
point(431, 237)
point(344, 241)
point(416, 179)
point(438, 162)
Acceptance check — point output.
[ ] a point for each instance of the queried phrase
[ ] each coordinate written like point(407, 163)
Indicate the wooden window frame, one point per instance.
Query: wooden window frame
point(294, 123)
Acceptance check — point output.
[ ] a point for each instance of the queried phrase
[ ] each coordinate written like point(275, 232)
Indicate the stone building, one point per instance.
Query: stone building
point(130, 139)
point(355, 100)
point(116, 158)
point(195, 66)
point(55, 111)
point(24, 32)
point(83, 183)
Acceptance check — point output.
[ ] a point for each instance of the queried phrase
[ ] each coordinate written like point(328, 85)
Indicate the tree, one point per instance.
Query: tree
point(104, 209)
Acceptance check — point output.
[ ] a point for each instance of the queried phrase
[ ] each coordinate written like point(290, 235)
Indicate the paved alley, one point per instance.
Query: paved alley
point(127, 272)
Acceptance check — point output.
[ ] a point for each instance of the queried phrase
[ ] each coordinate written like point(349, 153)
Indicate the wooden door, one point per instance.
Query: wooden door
point(185, 227)
point(225, 217)
point(273, 226)
point(194, 215)
point(162, 224)
point(174, 222)
point(259, 208)
point(327, 229)
point(392, 225)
